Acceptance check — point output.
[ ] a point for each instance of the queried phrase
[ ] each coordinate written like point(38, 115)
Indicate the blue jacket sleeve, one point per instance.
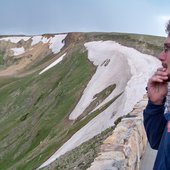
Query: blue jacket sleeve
point(154, 122)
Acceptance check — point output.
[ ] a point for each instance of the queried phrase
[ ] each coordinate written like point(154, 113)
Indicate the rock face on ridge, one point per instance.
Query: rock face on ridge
point(125, 147)
point(35, 49)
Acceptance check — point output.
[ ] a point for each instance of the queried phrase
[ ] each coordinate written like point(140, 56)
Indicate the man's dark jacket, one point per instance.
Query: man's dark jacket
point(155, 122)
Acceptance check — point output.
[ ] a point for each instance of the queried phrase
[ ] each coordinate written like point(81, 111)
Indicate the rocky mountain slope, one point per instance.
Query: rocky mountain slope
point(62, 91)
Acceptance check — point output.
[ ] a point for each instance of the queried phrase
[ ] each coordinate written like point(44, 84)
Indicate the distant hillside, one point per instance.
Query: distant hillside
point(60, 91)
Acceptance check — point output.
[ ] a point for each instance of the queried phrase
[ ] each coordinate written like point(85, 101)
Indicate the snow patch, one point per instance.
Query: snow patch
point(53, 64)
point(36, 40)
point(55, 43)
point(98, 53)
point(129, 70)
point(18, 51)
point(39, 38)
point(15, 39)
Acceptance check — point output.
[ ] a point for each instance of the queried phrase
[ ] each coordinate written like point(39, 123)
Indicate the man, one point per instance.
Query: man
point(157, 111)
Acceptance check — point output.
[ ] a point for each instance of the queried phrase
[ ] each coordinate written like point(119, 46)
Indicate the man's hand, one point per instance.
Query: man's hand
point(157, 86)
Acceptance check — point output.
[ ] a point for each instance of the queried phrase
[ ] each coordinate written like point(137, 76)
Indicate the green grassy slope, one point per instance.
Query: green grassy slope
point(34, 109)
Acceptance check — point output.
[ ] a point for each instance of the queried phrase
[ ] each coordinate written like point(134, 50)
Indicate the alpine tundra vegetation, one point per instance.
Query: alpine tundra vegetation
point(61, 95)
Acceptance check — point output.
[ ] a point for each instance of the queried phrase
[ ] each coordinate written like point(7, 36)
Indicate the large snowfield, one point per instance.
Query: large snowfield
point(126, 67)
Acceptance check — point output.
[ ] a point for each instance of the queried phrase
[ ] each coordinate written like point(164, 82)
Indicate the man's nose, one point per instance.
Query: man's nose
point(162, 56)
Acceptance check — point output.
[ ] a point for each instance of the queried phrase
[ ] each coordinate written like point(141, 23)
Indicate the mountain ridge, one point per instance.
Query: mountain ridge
point(36, 108)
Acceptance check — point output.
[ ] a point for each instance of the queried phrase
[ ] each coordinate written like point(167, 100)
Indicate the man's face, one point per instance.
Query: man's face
point(165, 55)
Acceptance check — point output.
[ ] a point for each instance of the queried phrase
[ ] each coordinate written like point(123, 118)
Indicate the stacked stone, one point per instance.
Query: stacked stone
point(125, 147)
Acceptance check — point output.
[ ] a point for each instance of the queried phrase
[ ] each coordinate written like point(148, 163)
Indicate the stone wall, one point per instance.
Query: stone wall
point(124, 149)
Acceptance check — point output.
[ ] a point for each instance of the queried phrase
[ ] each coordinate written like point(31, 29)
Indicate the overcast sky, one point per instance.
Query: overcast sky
point(57, 16)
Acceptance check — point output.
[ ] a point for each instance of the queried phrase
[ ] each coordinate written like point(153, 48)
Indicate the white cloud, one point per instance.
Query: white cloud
point(161, 22)
point(164, 18)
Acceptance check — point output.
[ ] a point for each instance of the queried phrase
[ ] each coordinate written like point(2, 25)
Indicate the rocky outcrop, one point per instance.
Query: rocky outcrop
point(125, 147)
point(34, 51)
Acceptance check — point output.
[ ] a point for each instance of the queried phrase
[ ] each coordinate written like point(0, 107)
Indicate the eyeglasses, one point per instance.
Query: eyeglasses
point(166, 47)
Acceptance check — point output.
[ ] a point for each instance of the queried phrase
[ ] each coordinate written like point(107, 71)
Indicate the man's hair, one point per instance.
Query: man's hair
point(168, 27)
